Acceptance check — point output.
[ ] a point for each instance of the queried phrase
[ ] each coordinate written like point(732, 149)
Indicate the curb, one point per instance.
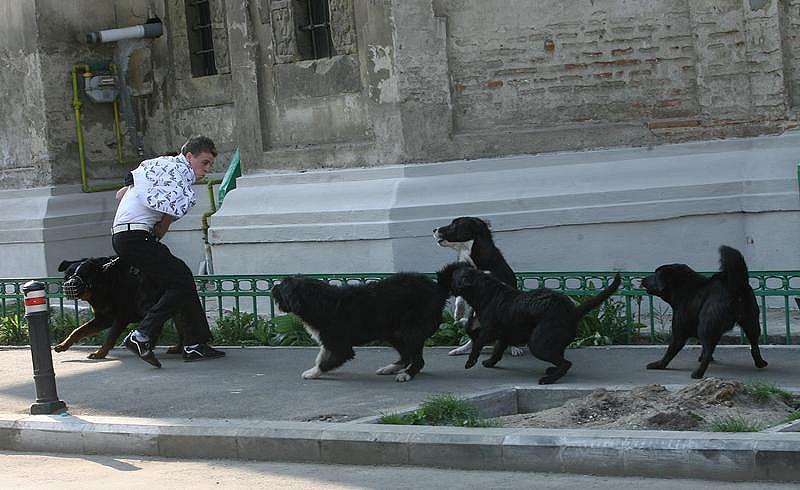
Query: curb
point(773, 456)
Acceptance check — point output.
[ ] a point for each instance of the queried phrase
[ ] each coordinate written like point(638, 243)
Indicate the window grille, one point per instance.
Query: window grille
point(319, 29)
point(201, 39)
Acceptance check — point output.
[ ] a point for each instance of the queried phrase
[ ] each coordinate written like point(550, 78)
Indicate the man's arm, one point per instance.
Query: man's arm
point(128, 182)
point(160, 229)
point(121, 192)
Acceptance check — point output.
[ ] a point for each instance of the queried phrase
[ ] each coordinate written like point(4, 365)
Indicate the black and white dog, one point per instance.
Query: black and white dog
point(404, 309)
point(472, 239)
point(707, 307)
point(545, 319)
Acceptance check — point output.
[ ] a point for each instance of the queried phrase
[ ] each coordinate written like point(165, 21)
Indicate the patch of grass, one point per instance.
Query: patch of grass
point(238, 328)
point(289, 330)
point(62, 322)
point(450, 332)
point(735, 424)
point(792, 417)
point(13, 330)
point(761, 391)
point(605, 325)
point(440, 410)
point(399, 418)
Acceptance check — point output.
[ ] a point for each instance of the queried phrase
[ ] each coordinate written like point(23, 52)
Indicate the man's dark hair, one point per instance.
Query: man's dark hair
point(198, 144)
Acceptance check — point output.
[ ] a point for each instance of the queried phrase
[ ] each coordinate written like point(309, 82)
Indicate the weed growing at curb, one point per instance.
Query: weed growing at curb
point(440, 410)
point(792, 417)
point(735, 424)
point(761, 391)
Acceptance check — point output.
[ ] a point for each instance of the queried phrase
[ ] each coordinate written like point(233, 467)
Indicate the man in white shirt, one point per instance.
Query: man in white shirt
point(162, 193)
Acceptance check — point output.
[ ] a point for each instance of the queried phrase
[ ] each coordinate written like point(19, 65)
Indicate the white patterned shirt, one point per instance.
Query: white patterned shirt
point(161, 185)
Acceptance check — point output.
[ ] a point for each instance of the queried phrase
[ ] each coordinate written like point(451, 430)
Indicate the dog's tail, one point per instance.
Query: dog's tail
point(595, 301)
point(733, 265)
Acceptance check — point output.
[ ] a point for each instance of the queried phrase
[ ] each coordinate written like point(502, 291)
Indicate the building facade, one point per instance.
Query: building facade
point(594, 134)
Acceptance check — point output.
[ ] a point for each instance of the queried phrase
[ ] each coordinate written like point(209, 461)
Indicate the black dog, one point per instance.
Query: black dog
point(706, 307)
point(544, 319)
point(404, 310)
point(472, 239)
point(118, 295)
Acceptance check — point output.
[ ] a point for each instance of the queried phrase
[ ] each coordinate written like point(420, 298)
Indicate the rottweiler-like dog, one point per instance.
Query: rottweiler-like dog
point(118, 294)
point(706, 307)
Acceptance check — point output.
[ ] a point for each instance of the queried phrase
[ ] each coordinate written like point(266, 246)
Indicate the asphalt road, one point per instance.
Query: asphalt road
point(84, 472)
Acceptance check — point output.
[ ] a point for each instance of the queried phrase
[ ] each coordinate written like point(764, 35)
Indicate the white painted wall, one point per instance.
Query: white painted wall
point(631, 209)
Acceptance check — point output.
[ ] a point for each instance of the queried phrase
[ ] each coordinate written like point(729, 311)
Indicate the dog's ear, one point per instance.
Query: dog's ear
point(64, 265)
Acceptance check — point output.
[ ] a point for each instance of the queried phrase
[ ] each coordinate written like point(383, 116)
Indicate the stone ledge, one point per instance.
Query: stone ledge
point(699, 455)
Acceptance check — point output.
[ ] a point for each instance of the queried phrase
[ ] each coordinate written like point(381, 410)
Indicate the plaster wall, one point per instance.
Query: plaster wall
point(630, 209)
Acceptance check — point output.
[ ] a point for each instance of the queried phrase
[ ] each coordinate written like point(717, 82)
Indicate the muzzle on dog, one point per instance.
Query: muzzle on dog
point(74, 287)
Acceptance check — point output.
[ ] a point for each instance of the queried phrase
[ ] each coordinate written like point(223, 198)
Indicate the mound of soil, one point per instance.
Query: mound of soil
point(653, 407)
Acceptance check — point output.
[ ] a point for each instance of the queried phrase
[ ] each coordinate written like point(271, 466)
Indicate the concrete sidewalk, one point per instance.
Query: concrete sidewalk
point(253, 404)
point(265, 383)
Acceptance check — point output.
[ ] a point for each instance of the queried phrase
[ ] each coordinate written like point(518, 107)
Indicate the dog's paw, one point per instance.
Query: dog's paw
point(403, 377)
point(470, 363)
point(516, 351)
point(547, 380)
point(98, 354)
point(696, 374)
point(462, 350)
point(489, 363)
point(60, 348)
point(761, 363)
point(655, 365)
point(312, 373)
point(390, 369)
point(550, 370)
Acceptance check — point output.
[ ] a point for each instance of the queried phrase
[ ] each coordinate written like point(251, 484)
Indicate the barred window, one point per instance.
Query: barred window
point(201, 38)
point(314, 36)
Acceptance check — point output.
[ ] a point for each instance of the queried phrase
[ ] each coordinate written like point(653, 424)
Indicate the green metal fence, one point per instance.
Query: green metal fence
point(646, 319)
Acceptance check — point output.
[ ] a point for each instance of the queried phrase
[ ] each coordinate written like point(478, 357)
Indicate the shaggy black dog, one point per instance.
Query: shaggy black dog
point(472, 239)
point(544, 319)
point(404, 310)
point(706, 307)
point(118, 295)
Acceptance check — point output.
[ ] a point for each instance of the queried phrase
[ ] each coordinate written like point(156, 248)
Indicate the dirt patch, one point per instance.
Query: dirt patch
point(653, 407)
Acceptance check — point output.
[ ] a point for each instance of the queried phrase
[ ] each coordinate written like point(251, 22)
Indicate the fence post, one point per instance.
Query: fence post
point(37, 312)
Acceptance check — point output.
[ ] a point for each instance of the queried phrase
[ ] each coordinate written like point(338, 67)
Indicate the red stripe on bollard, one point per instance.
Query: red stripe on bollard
point(35, 301)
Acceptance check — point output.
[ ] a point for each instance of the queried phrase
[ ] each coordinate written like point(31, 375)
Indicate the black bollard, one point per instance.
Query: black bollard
point(37, 312)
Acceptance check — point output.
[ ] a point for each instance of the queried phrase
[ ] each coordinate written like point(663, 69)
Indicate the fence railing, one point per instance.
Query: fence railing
point(645, 318)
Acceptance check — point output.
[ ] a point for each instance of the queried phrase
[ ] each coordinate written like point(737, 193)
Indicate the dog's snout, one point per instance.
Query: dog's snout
point(649, 283)
point(73, 287)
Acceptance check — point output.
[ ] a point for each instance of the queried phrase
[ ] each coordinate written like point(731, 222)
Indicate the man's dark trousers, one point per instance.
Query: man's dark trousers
point(173, 277)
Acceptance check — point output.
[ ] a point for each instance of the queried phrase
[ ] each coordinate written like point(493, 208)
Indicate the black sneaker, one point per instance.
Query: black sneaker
point(141, 348)
point(201, 352)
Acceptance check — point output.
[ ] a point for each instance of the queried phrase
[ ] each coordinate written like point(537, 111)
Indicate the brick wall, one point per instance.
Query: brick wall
point(675, 66)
